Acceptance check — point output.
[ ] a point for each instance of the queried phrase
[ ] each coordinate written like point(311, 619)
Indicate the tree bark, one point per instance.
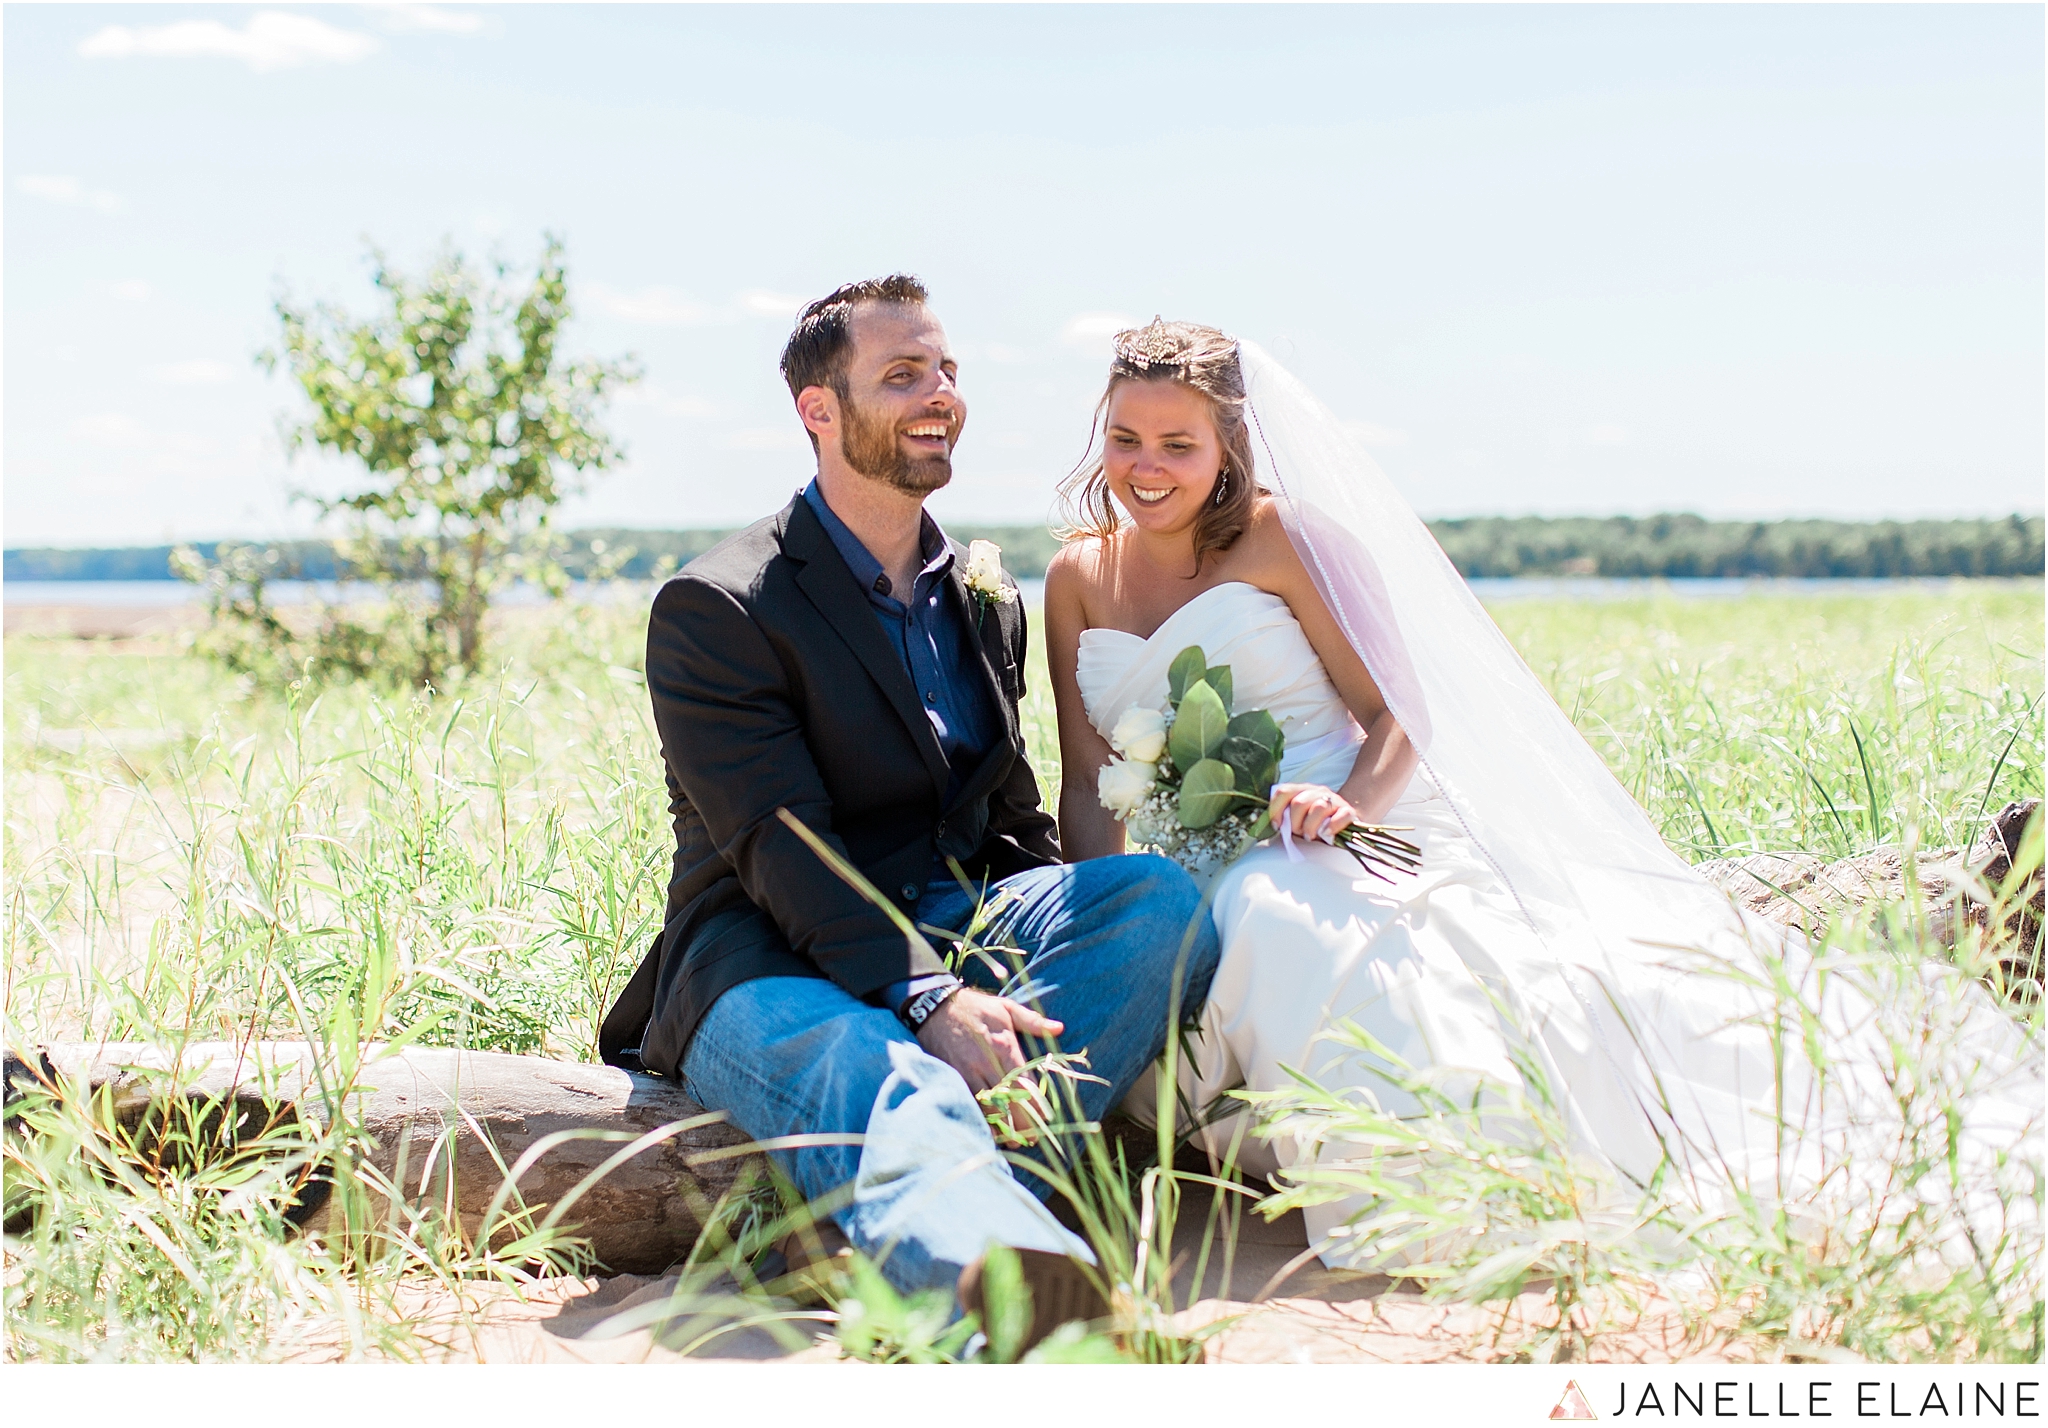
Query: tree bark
point(642, 1217)
point(1807, 892)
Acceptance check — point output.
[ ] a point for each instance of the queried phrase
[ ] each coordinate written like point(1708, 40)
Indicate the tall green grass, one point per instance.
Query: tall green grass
point(191, 858)
point(1824, 723)
point(176, 839)
point(1902, 1237)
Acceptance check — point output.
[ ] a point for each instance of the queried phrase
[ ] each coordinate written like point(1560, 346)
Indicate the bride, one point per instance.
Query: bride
point(1547, 918)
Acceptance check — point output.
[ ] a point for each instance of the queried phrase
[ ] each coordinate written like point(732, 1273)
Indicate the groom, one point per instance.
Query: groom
point(831, 660)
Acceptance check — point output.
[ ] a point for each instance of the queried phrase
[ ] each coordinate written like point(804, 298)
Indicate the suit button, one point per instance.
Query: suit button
point(910, 892)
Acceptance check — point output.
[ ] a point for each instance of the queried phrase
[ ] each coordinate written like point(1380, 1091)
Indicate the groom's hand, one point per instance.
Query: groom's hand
point(977, 1035)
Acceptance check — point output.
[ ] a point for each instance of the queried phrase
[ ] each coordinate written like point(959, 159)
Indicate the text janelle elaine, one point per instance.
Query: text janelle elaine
point(1828, 1398)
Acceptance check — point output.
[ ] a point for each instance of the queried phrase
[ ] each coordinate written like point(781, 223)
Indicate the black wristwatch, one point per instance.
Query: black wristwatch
point(918, 1010)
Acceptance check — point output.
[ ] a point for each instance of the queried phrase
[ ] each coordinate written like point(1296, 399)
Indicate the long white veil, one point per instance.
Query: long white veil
point(1592, 879)
point(1655, 1055)
point(1562, 832)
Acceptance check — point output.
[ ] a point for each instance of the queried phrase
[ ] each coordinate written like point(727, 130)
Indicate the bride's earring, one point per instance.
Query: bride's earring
point(1222, 485)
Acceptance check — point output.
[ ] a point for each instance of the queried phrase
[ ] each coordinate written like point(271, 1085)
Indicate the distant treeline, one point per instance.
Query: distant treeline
point(1687, 547)
point(1670, 547)
point(629, 554)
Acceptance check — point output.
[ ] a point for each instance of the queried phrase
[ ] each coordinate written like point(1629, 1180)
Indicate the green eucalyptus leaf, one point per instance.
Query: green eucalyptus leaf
point(1249, 761)
point(1260, 727)
point(1198, 727)
point(1187, 667)
point(1218, 679)
point(1206, 793)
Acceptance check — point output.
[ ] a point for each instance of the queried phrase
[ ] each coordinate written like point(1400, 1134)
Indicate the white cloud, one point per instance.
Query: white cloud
point(426, 19)
point(1606, 434)
point(668, 403)
point(270, 40)
point(1373, 434)
point(768, 438)
point(771, 304)
point(170, 451)
point(111, 429)
point(61, 188)
point(133, 290)
point(1092, 329)
point(660, 306)
point(199, 372)
point(654, 307)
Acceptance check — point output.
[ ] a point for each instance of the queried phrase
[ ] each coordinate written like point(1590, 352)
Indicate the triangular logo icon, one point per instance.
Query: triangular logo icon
point(1573, 1404)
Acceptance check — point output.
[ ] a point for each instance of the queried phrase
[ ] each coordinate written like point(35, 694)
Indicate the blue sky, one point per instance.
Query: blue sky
point(1743, 260)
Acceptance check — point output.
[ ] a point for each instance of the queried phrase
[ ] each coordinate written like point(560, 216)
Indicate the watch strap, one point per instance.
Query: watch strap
point(918, 1010)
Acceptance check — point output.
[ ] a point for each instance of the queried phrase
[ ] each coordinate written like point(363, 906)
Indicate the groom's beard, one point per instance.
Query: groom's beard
point(871, 448)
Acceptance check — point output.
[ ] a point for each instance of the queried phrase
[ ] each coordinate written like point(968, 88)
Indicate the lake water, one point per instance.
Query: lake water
point(167, 594)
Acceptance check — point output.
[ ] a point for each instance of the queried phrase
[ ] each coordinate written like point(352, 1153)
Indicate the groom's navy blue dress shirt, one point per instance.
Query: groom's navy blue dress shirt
point(938, 652)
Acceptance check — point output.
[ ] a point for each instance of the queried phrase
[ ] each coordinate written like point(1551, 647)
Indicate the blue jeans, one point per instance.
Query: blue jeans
point(792, 1056)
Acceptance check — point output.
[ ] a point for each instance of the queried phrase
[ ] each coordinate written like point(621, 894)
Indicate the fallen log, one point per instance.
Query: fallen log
point(452, 1119)
point(1958, 888)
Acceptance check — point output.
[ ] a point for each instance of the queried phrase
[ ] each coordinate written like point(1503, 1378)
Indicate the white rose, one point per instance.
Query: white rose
point(1140, 734)
point(1123, 784)
point(985, 565)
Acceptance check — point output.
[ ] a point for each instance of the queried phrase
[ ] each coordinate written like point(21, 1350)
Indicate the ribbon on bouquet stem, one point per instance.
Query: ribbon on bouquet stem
point(1294, 854)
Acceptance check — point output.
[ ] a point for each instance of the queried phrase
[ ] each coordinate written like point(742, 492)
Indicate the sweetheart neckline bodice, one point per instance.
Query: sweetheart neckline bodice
point(1108, 631)
point(1275, 668)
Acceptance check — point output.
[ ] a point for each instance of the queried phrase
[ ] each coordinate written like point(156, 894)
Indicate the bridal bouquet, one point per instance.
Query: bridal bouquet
point(1194, 781)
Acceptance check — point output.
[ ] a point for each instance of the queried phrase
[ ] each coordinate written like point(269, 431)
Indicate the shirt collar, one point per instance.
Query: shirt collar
point(867, 571)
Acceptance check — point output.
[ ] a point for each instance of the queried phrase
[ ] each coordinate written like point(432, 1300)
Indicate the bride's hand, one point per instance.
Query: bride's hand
point(1312, 810)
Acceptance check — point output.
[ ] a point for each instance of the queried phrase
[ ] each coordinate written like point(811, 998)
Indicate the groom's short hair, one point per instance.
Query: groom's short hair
point(815, 355)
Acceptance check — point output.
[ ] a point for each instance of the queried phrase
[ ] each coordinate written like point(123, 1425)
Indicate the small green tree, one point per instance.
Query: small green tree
point(470, 425)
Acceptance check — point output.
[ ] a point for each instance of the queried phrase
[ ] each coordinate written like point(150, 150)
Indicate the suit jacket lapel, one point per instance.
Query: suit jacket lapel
point(829, 586)
point(991, 645)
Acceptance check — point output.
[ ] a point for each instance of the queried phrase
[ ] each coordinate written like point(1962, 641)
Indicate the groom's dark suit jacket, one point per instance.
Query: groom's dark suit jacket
point(774, 686)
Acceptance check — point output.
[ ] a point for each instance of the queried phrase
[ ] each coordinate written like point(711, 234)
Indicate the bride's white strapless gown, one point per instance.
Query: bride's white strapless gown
point(1418, 961)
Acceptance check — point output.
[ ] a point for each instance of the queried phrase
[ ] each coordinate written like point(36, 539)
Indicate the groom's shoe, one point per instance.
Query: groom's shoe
point(1061, 1292)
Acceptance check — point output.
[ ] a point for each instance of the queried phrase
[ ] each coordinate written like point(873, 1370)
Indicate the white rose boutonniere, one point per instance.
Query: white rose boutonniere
point(985, 575)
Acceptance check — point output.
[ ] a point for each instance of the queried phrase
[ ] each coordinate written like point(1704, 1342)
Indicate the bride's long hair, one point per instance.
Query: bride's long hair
point(1204, 360)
